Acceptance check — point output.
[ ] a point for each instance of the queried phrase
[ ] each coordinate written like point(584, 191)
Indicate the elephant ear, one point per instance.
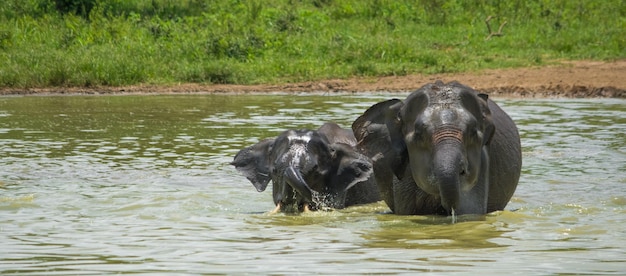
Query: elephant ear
point(352, 167)
point(478, 104)
point(488, 125)
point(253, 163)
point(379, 135)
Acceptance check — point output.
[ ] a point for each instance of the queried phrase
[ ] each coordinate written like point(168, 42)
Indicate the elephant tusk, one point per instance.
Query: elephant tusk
point(453, 213)
point(276, 210)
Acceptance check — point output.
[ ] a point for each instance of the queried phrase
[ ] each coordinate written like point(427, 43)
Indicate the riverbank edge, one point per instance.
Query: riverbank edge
point(568, 79)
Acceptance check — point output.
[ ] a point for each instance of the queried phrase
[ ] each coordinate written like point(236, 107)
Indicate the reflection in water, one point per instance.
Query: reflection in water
point(141, 184)
point(429, 232)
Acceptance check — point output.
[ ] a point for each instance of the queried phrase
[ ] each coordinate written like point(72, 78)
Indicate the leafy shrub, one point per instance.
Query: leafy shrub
point(78, 7)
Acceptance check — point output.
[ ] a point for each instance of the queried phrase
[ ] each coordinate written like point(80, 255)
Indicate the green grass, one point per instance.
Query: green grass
point(124, 42)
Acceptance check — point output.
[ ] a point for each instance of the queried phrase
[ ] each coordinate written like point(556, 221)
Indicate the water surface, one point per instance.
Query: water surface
point(141, 184)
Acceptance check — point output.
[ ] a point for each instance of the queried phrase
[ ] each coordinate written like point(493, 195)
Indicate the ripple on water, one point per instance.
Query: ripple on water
point(143, 185)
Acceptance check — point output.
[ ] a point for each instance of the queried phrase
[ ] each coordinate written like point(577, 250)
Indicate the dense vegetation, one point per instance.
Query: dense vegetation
point(123, 42)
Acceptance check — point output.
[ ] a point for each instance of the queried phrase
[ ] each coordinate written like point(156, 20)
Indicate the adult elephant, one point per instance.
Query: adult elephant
point(446, 149)
point(310, 169)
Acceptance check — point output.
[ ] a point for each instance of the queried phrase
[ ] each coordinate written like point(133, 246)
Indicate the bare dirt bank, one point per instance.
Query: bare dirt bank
point(571, 79)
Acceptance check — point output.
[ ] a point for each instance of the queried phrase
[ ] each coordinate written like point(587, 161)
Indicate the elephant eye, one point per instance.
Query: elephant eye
point(475, 134)
point(417, 134)
point(419, 130)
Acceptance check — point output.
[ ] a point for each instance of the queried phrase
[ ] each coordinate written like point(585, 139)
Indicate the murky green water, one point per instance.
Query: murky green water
point(141, 184)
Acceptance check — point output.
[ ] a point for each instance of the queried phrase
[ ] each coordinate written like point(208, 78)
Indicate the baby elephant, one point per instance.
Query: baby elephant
point(310, 169)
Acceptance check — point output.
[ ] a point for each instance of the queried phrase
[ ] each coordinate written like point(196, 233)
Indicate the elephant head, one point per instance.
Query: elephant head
point(308, 169)
point(433, 152)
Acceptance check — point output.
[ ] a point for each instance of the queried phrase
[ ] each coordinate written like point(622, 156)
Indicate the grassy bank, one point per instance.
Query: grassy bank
point(119, 42)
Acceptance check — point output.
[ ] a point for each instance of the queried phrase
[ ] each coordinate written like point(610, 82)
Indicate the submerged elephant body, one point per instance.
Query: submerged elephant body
point(445, 149)
point(310, 169)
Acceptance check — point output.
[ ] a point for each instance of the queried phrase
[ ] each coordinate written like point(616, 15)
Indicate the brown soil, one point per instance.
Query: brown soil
point(573, 79)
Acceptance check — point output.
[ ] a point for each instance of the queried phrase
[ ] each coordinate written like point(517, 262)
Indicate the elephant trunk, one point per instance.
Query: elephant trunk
point(294, 178)
point(449, 166)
